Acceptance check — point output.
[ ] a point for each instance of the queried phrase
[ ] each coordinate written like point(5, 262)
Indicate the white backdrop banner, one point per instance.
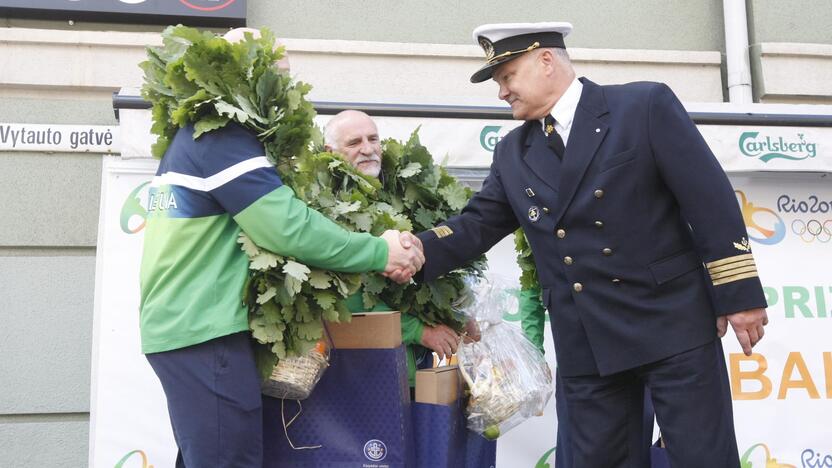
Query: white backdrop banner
point(781, 393)
point(129, 424)
point(468, 143)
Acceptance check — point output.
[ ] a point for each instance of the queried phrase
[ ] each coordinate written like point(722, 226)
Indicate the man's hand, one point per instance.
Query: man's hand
point(408, 240)
point(404, 257)
point(472, 331)
point(440, 339)
point(748, 325)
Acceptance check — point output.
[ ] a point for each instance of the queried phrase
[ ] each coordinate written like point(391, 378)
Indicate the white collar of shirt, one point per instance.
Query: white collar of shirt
point(564, 109)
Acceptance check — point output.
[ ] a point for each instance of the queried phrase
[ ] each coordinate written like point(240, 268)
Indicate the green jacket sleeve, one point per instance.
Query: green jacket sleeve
point(532, 316)
point(280, 222)
point(412, 329)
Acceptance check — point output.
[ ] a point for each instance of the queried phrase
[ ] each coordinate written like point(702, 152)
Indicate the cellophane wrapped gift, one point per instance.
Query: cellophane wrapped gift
point(508, 378)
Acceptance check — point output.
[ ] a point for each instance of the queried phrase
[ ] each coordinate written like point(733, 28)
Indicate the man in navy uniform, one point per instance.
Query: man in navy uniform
point(640, 247)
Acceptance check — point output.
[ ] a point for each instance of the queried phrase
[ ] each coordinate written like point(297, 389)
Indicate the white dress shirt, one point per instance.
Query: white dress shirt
point(564, 110)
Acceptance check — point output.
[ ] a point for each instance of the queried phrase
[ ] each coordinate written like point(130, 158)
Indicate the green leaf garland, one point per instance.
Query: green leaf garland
point(200, 78)
point(197, 77)
point(525, 260)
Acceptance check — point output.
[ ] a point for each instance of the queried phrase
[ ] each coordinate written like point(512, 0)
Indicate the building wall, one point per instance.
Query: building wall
point(800, 21)
point(47, 269)
point(613, 24)
point(791, 50)
point(384, 54)
point(62, 73)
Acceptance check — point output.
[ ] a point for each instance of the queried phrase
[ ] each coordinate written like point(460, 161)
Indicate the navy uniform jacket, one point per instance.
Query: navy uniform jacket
point(637, 235)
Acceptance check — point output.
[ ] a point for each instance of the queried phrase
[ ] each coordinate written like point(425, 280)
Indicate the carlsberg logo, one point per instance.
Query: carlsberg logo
point(766, 147)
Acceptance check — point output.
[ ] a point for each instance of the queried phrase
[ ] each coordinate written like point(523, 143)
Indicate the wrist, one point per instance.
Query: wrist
point(382, 255)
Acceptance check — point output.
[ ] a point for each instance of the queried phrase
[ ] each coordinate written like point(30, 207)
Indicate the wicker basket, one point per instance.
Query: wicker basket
point(295, 377)
point(494, 398)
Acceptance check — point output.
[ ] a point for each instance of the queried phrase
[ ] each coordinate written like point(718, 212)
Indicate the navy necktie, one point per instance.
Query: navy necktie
point(553, 140)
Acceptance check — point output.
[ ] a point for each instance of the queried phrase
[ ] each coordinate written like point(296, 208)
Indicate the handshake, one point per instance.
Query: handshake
point(405, 255)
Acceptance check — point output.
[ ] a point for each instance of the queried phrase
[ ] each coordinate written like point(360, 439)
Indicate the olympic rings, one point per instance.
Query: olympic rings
point(813, 229)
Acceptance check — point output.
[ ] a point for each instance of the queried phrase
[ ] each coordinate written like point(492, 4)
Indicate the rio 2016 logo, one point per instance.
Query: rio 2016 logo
point(141, 455)
point(133, 214)
point(760, 456)
point(764, 225)
point(816, 222)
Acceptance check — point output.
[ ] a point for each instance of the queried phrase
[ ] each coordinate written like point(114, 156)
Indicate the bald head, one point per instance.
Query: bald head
point(354, 135)
point(239, 34)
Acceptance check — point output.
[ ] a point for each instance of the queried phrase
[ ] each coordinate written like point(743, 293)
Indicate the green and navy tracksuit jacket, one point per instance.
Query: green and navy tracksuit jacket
point(193, 271)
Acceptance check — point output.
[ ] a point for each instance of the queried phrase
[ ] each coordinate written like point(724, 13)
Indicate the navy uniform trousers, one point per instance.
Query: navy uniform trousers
point(639, 415)
point(693, 410)
point(639, 245)
point(214, 401)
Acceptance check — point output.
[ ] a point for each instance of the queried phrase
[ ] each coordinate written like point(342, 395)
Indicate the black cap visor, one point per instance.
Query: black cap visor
point(512, 47)
point(487, 70)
